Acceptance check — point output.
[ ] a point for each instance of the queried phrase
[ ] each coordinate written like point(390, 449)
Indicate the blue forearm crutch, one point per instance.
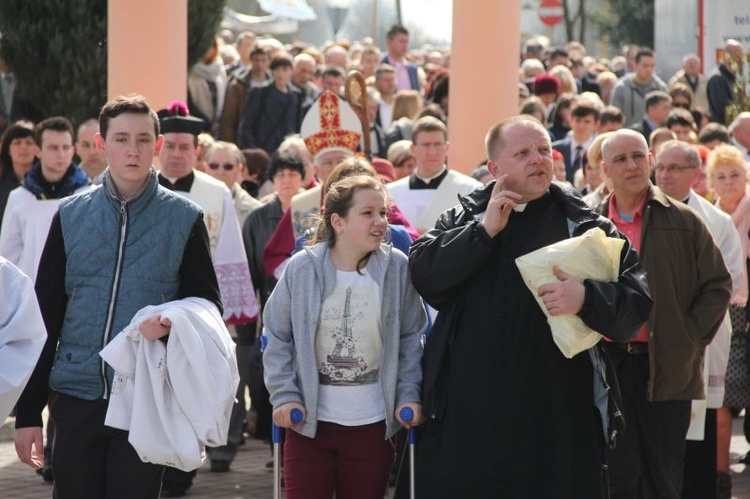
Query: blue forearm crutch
point(277, 435)
point(408, 416)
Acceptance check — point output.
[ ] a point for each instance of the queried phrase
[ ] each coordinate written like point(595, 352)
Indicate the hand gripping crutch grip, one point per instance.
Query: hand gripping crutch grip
point(408, 416)
point(277, 435)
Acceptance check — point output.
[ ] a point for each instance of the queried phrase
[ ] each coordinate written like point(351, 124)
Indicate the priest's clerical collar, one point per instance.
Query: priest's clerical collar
point(535, 204)
point(417, 182)
point(183, 184)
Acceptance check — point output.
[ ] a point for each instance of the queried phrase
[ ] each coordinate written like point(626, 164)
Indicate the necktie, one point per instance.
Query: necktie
point(577, 158)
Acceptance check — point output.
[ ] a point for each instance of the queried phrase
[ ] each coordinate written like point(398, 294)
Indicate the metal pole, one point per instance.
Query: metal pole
point(398, 13)
point(375, 21)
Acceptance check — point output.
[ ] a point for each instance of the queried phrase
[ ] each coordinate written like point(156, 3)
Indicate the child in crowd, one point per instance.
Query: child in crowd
point(343, 329)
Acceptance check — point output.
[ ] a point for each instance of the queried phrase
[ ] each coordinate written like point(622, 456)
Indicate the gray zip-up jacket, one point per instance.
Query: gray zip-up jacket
point(291, 319)
point(631, 99)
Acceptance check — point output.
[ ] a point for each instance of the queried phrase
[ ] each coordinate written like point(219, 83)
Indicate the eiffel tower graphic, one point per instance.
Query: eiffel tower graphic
point(345, 365)
point(344, 354)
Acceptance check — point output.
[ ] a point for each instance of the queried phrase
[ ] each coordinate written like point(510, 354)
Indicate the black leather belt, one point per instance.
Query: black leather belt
point(633, 348)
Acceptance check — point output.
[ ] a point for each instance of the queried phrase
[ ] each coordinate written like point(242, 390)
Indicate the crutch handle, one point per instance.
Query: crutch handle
point(277, 433)
point(296, 416)
point(407, 414)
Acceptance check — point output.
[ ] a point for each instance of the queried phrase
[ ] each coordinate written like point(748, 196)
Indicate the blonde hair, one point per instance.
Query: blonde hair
point(408, 103)
point(606, 77)
point(566, 77)
point(594, 152)
point(724, 155)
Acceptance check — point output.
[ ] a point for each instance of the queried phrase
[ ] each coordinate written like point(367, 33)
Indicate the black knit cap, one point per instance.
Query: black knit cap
point(176, 119)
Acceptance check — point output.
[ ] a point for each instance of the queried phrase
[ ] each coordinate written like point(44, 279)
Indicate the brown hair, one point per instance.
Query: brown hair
point(133, 103)
point(681, 90)
point(428, 124)
point(339, 200)
point(56, 124)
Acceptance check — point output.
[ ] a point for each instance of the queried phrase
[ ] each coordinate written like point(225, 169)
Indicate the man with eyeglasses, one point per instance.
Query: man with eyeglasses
point(677, 167)
point(225, 162)
point(660, 369)
point(432, 188)
point(178, 158)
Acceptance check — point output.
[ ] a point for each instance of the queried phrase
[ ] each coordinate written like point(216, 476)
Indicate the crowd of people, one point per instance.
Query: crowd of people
point(353, 285)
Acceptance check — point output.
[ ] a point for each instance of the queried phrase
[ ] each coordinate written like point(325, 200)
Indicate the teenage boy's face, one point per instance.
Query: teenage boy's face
point(282, 75)
point(584, 126)
point(55, 154)
point(130, 147)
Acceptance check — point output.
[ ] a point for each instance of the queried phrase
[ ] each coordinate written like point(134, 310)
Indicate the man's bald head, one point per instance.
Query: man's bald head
point(733, 50)
point(619, 135)
point(494, 141)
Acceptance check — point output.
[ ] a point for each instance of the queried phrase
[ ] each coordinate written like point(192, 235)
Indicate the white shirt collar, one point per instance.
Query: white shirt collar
point(584, 145)
point(427, 180)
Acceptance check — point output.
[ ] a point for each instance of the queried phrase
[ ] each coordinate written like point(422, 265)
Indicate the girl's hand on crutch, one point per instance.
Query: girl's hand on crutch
point(416, 414)
point(282, 416)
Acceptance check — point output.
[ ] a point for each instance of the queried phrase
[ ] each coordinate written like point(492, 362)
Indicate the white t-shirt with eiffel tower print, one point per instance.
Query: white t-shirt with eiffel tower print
point(349, 352)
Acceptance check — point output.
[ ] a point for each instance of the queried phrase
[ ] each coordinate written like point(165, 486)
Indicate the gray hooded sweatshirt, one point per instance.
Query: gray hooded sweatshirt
point(292, 315)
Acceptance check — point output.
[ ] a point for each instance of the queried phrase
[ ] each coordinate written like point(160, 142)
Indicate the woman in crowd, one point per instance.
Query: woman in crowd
point(728, 175)
point(16, 158)
point(406, 107)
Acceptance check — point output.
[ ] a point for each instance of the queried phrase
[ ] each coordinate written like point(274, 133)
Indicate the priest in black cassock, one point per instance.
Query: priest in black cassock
point(507, 415)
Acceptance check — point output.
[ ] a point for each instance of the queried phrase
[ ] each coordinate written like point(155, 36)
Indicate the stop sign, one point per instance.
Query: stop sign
point(551, 12)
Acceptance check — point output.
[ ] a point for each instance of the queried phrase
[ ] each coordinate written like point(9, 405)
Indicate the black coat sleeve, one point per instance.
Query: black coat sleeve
point(53, 300)
point(445, 257)
point(197, 275)
point(618, 309)
point(251, 249)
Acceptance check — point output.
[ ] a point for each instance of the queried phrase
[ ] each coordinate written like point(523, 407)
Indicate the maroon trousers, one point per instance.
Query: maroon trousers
point(353, 462)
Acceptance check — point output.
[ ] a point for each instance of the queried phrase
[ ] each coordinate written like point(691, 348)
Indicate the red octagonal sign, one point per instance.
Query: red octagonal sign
point(551, 12)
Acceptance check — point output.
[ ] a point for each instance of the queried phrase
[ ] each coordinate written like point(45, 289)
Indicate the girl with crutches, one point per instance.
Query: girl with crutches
point(343, 331)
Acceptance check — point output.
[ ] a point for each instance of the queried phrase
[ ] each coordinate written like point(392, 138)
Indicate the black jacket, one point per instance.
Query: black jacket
point(720, 92)
point(444, 259)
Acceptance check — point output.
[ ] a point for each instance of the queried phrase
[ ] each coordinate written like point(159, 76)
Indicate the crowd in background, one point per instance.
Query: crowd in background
point(253, 92)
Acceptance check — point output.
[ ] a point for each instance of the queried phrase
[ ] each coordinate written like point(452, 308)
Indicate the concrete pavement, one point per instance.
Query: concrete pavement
point(249, 478)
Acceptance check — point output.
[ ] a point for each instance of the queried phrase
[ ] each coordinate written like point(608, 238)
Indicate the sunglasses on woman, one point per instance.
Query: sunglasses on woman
point(227, 166)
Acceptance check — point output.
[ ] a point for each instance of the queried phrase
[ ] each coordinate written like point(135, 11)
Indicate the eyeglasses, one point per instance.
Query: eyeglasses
point(227, 166)
point(672, 168)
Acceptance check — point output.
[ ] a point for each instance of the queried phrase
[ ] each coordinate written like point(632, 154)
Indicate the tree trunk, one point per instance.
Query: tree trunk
point(568, 21)
point(582, 20)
